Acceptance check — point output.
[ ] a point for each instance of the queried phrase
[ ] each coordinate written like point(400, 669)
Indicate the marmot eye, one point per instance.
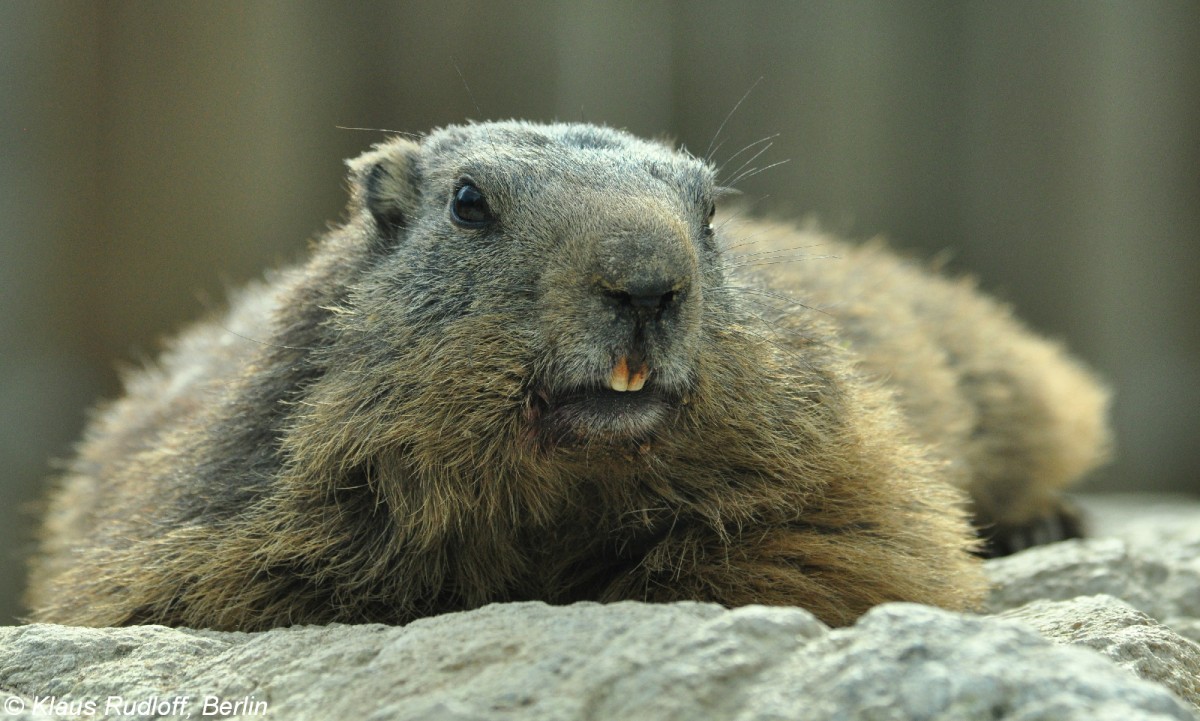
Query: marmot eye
point(469, 209)
point(708, 226)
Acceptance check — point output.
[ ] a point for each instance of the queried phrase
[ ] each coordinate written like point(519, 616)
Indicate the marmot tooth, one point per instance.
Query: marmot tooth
point(618, 380)
point(638, 379)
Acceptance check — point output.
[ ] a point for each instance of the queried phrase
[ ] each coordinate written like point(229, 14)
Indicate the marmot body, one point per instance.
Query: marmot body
point(531, 366)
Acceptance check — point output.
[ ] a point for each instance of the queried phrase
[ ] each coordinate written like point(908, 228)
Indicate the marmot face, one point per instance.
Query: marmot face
point(608, 255)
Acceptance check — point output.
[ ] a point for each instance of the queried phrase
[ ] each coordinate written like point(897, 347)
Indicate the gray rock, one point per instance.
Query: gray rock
point(590, 661)
point(1090, 567)
point(1149, 557)
point(1122, 633)
point(912, 662)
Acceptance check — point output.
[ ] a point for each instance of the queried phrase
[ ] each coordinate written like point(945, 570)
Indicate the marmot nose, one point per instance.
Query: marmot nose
point(644, 273)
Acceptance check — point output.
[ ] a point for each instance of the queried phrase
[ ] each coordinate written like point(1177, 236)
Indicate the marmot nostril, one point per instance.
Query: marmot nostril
point(656, 293)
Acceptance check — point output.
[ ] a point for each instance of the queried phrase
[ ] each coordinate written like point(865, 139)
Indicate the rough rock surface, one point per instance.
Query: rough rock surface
point(1090, 629)
point(1146, 553)
point(1122, 633)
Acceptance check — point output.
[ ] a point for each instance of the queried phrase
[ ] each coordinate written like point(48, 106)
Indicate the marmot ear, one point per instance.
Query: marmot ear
point(385, 182)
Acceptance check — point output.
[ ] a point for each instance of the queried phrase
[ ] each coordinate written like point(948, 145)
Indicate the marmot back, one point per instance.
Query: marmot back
point(531, 365)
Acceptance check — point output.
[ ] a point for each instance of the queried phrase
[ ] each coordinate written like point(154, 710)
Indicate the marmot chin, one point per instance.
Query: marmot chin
point(532, 365)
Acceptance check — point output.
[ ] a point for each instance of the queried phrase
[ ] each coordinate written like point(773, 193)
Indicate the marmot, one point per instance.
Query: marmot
point(531, 365)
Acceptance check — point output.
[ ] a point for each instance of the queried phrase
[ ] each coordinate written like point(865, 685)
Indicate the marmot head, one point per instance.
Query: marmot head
point(543, 285)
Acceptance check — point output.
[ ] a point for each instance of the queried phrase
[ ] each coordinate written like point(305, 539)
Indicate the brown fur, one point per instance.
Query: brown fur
point(420, 424)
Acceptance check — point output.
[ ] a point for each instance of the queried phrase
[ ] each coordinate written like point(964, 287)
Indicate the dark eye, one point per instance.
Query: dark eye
point(712, 211)
point(469, 209)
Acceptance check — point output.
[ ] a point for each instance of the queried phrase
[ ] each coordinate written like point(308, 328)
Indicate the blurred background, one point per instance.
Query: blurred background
point(154, 154)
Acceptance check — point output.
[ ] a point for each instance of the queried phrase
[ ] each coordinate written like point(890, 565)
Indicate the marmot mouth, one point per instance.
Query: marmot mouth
point(599, 413)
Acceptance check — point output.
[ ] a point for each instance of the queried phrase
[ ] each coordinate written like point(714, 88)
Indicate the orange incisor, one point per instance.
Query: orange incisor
point(623, 380)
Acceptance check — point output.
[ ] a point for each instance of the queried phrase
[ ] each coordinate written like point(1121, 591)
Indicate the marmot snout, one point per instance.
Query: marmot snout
point(530, 365)
point(627, 347)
